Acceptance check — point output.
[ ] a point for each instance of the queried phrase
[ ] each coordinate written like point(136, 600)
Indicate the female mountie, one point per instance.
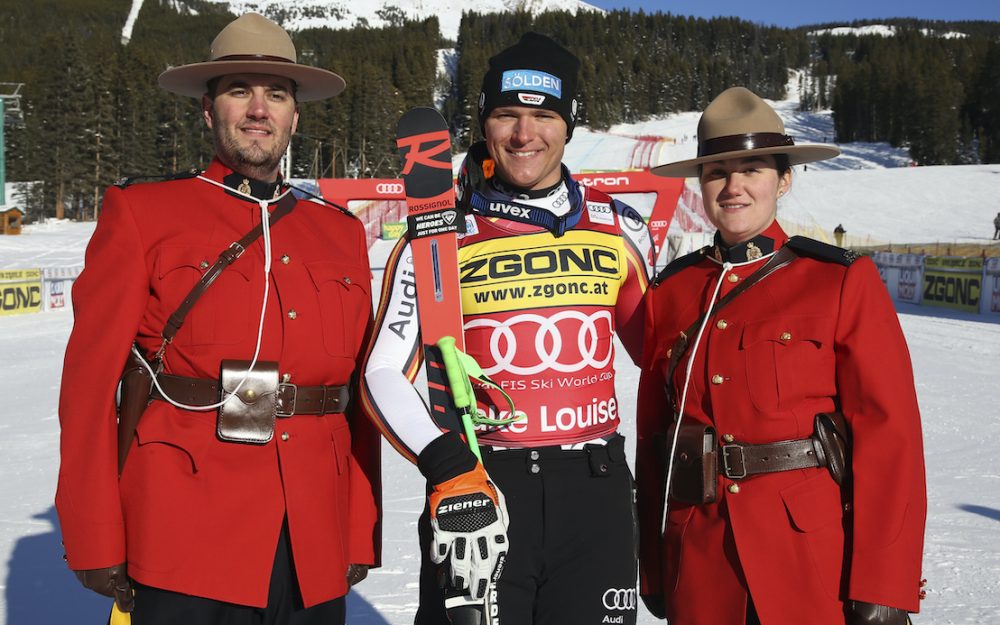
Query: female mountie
point(796, 476)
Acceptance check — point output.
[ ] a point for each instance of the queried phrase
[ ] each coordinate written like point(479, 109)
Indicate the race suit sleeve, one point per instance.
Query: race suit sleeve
point(876, 390)
point(109, 299)
point(393, 361)
point(629, 310)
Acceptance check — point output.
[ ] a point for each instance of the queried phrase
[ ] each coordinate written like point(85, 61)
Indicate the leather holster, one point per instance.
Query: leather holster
point(248, 416)
point(696, 463)
point(134, 390)
point(834, 441)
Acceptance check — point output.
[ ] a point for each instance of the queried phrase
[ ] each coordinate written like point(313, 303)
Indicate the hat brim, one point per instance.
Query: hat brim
point(797, 155)
point(311, 83)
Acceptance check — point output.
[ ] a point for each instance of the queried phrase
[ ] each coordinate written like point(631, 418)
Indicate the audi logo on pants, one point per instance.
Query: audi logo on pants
point(619, 599)
point(389, 188)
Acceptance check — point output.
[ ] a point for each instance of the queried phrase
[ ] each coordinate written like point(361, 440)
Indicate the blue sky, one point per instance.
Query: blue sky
point(801, 12)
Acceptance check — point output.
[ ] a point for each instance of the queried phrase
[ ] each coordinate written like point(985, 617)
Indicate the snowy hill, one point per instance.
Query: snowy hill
point(335, 14)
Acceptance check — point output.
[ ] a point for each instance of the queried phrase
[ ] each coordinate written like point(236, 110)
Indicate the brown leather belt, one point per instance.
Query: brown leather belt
point(292, 399)
point(742, 460)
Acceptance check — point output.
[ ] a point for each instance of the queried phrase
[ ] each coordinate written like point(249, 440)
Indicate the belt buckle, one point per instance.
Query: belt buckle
point(727, 470)
point(282, 408)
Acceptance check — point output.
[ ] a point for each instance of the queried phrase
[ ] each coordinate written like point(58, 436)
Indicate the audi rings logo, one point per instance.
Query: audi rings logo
point(619, 599)
point(550, 331)
point(389, 188)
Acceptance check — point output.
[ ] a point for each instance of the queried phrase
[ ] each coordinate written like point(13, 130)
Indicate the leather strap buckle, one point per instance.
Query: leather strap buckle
point(727, 469)
point(286, 404)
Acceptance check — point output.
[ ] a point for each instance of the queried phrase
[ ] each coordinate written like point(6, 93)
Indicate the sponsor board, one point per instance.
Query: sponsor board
point(20, 291)
point(953, 282)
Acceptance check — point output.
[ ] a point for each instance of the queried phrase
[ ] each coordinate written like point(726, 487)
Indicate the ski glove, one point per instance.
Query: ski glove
point(111, 582)
point(467, 513)
point(863, 613)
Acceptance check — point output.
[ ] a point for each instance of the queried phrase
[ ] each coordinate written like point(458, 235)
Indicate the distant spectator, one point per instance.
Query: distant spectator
point(996, 227)
point(838, 234)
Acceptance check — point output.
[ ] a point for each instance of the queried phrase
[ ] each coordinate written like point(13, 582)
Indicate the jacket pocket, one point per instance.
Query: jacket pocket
point(816, 516)
point(221, 315)
point(344, 293)
point(788, 359)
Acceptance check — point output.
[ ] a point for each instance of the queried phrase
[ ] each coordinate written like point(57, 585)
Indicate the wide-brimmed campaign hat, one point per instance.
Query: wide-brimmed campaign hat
point(737, 124)
point(253, 44)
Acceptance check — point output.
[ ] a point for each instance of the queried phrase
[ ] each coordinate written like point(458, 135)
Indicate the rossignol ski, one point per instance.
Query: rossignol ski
point(433, 224)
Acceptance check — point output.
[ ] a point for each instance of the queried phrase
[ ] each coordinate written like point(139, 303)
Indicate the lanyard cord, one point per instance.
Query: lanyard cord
point(266, 236)
point(726, 268)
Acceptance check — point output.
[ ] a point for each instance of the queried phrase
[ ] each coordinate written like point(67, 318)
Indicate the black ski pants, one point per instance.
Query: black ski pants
point(572, 534)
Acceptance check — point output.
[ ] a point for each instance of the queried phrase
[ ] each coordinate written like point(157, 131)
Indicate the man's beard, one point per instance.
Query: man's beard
point(251, 159)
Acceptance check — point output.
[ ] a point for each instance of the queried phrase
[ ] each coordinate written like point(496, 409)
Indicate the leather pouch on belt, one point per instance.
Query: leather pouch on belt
point(834, 440)
point(248, 416)
point(696, 463)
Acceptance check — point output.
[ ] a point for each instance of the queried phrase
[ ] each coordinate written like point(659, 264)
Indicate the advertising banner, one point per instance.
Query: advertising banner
point(394, 230)
point(902, 274)
point(20, 291)
point(953, 282)
point(990, 300)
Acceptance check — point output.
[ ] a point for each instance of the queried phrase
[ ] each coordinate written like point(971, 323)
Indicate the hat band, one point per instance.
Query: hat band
point(749, 141)
point(253, 57)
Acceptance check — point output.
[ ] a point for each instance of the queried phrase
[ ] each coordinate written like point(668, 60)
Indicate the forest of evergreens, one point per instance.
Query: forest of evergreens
point(93, 112)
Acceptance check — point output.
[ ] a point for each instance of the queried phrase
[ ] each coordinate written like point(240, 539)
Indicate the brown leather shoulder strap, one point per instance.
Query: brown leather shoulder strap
point(226, 258)
point(781, 258)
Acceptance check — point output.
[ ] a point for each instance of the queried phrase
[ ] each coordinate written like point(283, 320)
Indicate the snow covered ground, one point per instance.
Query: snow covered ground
point(956, 358)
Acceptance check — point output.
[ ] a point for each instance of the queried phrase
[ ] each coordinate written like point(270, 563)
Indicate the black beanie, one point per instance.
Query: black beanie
point(535, 71)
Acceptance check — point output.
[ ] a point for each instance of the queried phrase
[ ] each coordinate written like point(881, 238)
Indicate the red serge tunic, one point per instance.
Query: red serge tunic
point(190, 513)
point(818, 334)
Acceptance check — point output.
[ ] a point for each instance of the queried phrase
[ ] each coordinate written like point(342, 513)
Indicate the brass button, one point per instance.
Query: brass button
point(717, 379)
point(670, 352)
point(284, 436)
point(292, 314)
point(285, 258)
point(786, 336)
point(734, 488)
point(347, 279)
point(203, 264)
point(728, 438)
point(733, 277)
point(249, 394)
point(286, 378)
point(722, 324)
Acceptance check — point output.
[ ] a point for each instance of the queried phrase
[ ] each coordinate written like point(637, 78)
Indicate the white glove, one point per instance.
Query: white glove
point(469, 519)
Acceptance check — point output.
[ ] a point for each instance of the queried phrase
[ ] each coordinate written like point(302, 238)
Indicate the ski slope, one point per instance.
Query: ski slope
point(956, 359)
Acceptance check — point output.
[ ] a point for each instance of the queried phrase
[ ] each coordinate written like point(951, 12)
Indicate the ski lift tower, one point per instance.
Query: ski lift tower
point(11, 115)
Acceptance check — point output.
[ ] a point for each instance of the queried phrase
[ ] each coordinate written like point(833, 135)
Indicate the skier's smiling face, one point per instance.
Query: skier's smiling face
point(527, 145)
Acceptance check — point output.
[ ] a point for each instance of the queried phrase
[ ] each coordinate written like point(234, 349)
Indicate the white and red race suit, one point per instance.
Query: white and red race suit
point(540, 308)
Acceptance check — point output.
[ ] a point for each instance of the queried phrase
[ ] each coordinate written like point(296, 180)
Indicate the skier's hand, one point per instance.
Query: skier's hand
point(863, 613)
point(111, 582)
point(468, 515)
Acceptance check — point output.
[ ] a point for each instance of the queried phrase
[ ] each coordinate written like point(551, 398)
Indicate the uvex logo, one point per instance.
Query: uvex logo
point(510, 209)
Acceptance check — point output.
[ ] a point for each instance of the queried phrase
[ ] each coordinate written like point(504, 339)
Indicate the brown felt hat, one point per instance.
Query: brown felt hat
point(737, 124)
point(253, 44)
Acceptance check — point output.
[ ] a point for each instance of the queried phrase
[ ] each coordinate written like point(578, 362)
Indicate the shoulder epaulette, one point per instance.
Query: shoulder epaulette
point(127, 181)
point(822, 251)
point(300, 192)
point(682, 262)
